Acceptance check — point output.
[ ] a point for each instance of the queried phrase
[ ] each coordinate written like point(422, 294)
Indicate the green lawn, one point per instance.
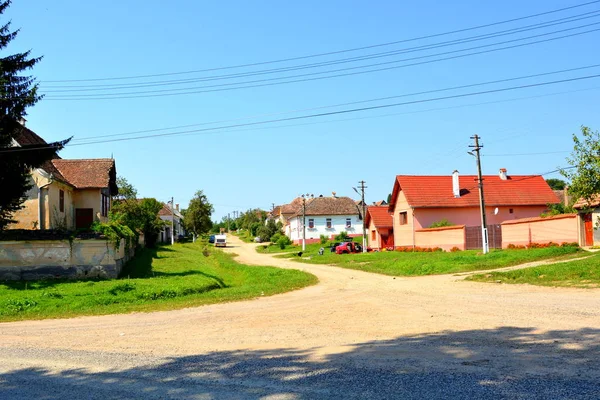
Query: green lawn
point(580, 273)
point(312, 248)
point(183, 275)
point(415, 264)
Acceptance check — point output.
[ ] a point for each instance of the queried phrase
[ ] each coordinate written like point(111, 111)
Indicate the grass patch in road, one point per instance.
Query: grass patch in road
point(579, 273)
point(179, 276)
point(416, 264)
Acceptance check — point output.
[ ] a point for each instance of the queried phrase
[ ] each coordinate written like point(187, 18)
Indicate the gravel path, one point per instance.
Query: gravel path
point(354, 335)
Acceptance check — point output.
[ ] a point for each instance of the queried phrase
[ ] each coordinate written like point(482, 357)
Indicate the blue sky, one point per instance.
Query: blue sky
point(256, 166)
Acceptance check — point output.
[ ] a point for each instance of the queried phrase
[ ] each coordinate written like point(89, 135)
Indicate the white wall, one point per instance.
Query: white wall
point(338, 224)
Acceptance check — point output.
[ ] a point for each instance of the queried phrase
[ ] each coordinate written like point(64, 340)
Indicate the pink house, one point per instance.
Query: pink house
point(419, 201)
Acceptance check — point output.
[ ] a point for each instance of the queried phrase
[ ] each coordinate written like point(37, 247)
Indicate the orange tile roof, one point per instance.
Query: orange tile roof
point(592, 203)
point(380, 215)
point(88, 173)
point(436, 191)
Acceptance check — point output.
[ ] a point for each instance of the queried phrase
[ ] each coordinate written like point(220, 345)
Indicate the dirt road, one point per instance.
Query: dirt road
point(354, 335)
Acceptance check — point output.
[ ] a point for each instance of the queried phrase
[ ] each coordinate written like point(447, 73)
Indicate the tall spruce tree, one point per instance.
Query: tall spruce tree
point(17, 93)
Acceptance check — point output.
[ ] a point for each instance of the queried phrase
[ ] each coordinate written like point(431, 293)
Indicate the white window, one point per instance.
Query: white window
point(348, 222)
point(328, 223)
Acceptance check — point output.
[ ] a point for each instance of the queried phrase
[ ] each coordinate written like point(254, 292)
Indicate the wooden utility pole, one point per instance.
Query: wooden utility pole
point(172, 221)
point(484, 236)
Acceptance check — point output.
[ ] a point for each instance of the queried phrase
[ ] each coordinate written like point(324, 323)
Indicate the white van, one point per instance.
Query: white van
point(220, 241)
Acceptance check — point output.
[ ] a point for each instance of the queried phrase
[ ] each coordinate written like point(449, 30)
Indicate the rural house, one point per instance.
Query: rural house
point(589, 212)
point(380, 227)
point(167, 214)
point(419, 201)
point(66, 194)
point(324, 216)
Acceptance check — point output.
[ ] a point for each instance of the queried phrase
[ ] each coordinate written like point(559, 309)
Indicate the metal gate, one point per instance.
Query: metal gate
point(473, 237)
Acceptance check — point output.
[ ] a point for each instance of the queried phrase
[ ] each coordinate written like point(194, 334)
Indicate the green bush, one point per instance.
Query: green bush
point(114, 232)
point(275, 238)
point(284, 241)
point(323, 239)
point(343, 237)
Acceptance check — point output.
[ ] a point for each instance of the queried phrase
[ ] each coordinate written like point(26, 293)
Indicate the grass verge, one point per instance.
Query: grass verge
point(579, 273)
point(179, 276)
point(417, 264)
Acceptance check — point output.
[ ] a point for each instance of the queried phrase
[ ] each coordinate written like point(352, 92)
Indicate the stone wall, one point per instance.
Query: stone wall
point(60, 259)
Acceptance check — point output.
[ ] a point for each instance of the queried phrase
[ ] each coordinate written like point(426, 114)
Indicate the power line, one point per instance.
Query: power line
point(169, 92)
point(524, 154)
point(341, 111)
point(120, 86)
point(187, 133)
point(334, 52)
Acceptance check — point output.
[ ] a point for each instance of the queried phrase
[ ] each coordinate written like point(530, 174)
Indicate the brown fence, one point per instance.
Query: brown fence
point(473, 237)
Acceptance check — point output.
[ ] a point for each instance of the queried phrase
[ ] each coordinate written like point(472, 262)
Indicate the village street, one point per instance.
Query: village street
point(353, 335)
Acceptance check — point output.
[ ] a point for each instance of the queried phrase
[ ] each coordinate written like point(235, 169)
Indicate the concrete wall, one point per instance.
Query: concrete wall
point(89, 198)
point(56, 259)
point(338, 224)
point(444, 237)
point(557, 229)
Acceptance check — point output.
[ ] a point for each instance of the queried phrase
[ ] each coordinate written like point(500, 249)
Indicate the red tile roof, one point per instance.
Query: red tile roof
point(380, 215)
point(326, 206)
point(436, 191)
point(592, 203)
point(88, 173)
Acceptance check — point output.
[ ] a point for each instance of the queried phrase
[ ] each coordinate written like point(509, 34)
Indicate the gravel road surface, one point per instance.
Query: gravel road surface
point(353, 335)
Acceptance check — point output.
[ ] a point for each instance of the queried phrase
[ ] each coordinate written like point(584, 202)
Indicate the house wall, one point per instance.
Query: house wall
point(338, 224)
point(54, 218)
point(559, 229)
point(372, 231)
point(403, 234)
point(30, 217)
point(89, 198)
point(446, 237)
point(178, 228)
point(51, 259)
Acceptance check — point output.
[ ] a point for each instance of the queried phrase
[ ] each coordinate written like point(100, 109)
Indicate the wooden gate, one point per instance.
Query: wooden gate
point(473, 237)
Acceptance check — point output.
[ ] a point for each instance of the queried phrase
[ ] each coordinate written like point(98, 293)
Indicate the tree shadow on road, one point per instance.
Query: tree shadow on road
point(507, 362)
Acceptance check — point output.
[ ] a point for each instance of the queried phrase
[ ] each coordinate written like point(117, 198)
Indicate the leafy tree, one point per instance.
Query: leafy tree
point(585, 161)
point(556, 184)
point(139, 216)
point(197, 216)
point(267, 231)
point(17, 93)
point(389, 198)
point(126, 189)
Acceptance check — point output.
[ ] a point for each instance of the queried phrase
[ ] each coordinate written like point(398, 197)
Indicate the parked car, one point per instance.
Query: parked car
point(333, 246)
point(348, 247)
point(257, 239)
point(211, 239)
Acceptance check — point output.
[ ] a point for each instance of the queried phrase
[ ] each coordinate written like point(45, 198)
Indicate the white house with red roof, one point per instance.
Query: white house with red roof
point(168, 214)
point(419, 201)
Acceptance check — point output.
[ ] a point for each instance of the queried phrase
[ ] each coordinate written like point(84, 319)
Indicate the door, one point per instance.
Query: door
point(84, 217)
point(588, 227)
point(387, 240)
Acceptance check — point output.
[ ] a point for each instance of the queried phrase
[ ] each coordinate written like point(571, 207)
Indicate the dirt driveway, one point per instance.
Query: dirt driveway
point(354, 335)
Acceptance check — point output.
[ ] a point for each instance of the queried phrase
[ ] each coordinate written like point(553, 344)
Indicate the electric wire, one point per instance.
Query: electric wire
point(337, 51)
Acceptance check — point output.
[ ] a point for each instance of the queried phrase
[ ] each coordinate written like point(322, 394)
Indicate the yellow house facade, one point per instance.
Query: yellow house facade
point(66, 194)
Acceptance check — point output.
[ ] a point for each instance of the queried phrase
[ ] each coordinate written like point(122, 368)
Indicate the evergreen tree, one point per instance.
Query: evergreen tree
point(17, 93)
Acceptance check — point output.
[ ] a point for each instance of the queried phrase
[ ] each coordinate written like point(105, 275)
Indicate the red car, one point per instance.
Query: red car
point(348, 247)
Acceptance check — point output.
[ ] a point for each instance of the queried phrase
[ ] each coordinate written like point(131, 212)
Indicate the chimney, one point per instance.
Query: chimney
point(22, 121)
point(502, 174)
point(455, 184)
point(333, 193)
point(177, 206)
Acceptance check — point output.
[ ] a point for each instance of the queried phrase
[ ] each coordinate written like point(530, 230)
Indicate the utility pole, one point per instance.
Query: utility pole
point(484, 236)
point(304, 197)
point(228, 222)
point(364, 206)
point(172, 220)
